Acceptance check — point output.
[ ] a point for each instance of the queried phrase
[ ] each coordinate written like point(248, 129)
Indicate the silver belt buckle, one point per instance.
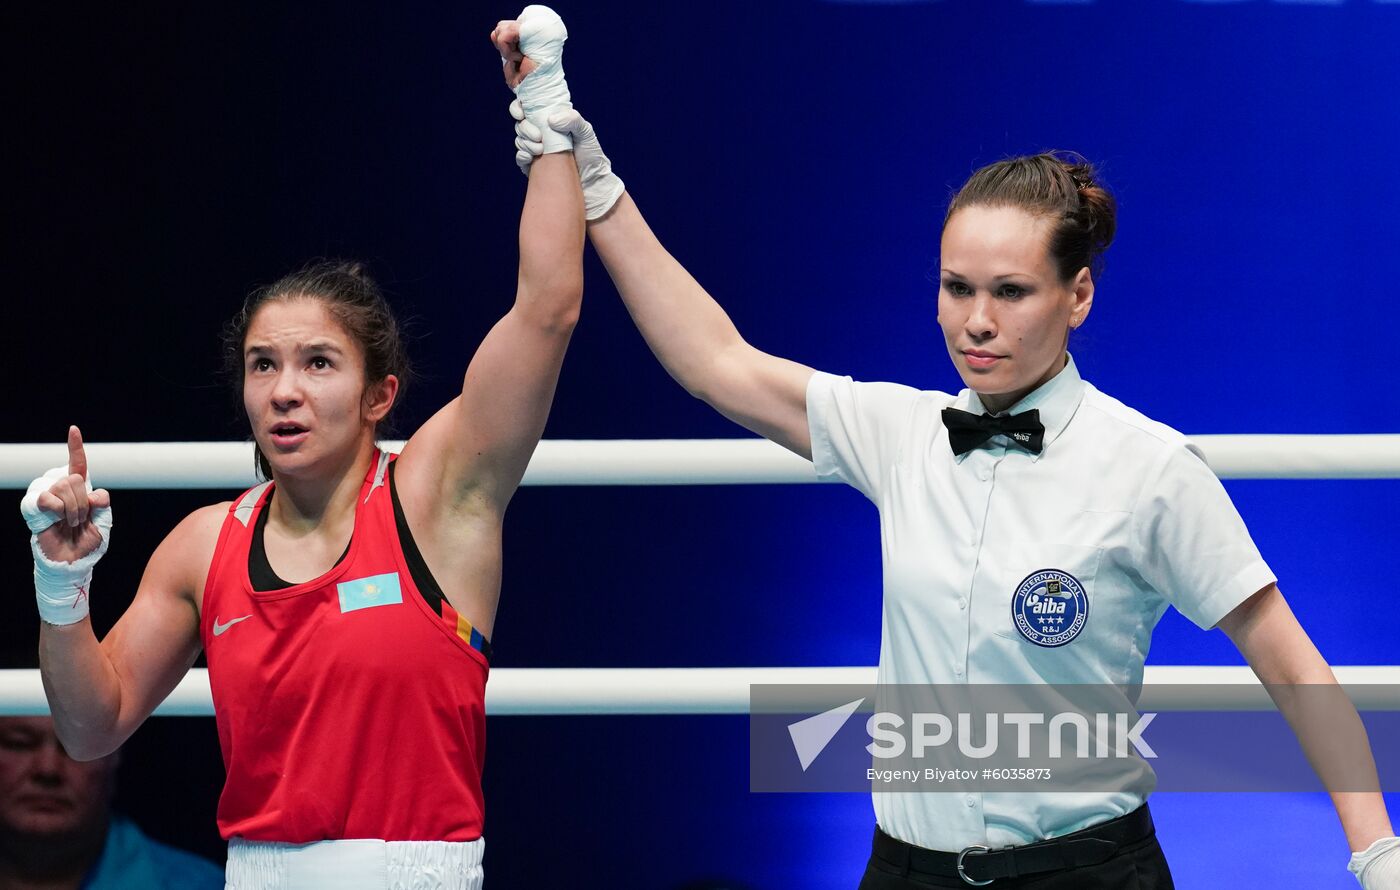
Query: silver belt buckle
point(977, 849)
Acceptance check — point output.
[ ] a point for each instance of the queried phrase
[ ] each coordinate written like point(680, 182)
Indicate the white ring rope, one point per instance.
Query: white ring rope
point(561, 691)
point(615, 691)
point(229, 465)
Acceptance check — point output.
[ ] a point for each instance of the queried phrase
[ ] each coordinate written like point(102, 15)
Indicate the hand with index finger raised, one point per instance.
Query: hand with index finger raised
point(77, 457)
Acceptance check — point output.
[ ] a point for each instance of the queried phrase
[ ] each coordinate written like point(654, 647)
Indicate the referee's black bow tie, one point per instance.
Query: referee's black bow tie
point(966, 430)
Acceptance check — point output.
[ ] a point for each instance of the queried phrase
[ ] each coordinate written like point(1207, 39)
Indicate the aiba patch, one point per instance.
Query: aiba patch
point(1050, 607)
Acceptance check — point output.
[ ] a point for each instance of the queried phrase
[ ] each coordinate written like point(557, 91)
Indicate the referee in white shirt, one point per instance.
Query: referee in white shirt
point(1028, 469)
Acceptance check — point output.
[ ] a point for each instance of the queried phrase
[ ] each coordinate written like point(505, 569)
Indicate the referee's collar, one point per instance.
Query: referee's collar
point(1056, 399)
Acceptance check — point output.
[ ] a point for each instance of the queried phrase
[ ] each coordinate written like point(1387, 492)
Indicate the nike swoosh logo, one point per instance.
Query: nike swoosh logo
point(220, 628)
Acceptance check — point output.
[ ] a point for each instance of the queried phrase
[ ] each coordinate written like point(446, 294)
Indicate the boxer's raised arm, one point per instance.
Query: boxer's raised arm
point(472, 454)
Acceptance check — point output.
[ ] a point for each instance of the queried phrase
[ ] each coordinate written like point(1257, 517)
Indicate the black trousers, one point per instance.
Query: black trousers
point(1138, 866)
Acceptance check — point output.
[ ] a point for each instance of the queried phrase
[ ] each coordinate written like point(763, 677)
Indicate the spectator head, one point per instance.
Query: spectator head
point(44, 793)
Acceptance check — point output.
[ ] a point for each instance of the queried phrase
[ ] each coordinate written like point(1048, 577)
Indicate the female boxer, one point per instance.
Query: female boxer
point(345, 604)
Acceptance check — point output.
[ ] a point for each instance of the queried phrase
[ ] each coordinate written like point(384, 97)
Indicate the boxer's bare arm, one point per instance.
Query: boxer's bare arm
point(100, 693)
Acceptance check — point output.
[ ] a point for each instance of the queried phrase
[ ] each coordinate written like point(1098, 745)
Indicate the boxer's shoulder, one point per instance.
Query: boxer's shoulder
point(184, 557)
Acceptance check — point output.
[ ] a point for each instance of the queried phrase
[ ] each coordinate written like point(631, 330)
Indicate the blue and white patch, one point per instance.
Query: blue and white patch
point(1050, 607)
point(366, 593)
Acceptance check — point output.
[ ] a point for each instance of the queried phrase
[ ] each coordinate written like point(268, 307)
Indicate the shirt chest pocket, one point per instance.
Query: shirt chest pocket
point(1040, 593)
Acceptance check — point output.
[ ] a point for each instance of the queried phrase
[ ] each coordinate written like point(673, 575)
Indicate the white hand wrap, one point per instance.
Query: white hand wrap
point(61, 587)
point(544, 91)
point(1378, 868)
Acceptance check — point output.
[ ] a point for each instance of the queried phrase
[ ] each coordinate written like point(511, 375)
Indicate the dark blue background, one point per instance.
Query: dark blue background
point(797, 157)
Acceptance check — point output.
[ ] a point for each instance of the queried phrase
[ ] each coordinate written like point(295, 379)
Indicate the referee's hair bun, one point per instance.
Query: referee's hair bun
point(1061, 185)
point(1098, 211)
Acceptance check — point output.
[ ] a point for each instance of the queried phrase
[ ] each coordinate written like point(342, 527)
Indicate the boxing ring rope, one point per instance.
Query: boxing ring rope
point(642, 691)
point(191, 465)
point(565, 691)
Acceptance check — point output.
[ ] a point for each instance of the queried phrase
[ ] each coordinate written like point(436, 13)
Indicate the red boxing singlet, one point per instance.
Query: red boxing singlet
point(349, 706)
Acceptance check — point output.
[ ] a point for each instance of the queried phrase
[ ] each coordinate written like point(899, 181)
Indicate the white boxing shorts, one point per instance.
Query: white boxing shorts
point(354, 865)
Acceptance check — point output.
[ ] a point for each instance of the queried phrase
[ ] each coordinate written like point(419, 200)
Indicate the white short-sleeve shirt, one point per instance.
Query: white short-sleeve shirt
point(1121, 504)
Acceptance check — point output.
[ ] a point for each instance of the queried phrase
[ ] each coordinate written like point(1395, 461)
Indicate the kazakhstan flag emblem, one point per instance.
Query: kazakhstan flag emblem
point(365, 593)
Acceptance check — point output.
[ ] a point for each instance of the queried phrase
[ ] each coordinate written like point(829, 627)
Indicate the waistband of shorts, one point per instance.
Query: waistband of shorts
point(358, 864)
point(979, 865)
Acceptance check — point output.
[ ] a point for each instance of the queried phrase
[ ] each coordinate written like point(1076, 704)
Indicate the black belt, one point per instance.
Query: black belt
point(978, 865)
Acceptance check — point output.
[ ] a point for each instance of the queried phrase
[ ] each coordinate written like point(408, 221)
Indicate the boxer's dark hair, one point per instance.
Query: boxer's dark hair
point(1060, 185)
point(354, 300)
